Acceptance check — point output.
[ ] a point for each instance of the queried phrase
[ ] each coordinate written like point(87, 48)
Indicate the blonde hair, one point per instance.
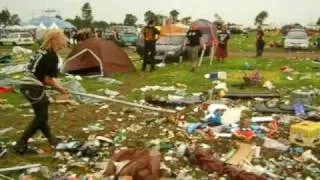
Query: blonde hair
point(54, 39)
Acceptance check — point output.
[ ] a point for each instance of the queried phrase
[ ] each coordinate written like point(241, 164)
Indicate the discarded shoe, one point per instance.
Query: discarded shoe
point(20, 149)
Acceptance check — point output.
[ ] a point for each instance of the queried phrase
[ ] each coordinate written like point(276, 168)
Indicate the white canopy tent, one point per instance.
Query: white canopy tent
point(54, 26)
point(42, 26)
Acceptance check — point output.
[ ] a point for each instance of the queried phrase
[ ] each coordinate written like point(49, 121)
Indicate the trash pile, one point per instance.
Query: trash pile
point(213, 134)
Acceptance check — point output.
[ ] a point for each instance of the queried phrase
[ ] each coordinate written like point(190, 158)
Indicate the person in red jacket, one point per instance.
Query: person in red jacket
point(222, 48)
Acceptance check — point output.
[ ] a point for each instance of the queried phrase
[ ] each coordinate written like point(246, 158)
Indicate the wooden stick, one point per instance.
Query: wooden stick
point(5, 177)
point(123, 102)
point(19, 167)
point(201, 57)
point(212, 54)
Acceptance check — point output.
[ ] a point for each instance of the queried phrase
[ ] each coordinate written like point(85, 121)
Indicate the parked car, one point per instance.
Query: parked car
point(296, 39)
point(128, 38)
point(140, 45)
point(108, 34)
point(170, 48)
point(18, 38)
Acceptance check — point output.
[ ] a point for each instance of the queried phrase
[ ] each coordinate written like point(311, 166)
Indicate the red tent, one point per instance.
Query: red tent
point(97, 56)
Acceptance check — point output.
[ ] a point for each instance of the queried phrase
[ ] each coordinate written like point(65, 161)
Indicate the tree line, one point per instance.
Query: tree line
point(86, 20)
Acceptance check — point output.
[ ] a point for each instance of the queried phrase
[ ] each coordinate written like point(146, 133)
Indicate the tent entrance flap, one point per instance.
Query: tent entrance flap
point(84, 62)
point(87, 71)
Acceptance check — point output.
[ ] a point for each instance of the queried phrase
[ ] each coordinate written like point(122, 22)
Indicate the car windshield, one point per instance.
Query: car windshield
point(297, 35)
point(129, 34)
point(171, 40)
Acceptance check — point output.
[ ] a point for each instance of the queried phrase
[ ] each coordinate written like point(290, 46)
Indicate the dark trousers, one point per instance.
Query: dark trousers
point(149, 53)
point(39, 101)
point(260, 47)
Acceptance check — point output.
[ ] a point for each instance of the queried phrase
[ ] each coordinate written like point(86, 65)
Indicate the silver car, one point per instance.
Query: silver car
point(296, 40)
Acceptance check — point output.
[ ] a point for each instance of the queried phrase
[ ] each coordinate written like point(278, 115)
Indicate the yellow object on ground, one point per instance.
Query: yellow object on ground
point(306, 133)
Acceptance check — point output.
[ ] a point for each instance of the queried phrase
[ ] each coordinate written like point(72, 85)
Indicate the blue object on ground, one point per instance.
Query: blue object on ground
point(299, 109)
point(192, 127)
point(299, 150)
point(5, 59)
point(214, 120)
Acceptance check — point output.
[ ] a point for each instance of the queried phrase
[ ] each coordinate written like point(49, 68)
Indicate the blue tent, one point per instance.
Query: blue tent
point(48, 21)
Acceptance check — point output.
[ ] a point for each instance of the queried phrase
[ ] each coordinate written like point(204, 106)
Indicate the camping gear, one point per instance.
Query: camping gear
point(97, 56)
point(17, 168)
point(304, 96)
point(251, 95)
point(201, 56)
point(206, 160)
point(306, 133)
point(48, 21)
point(122, 102)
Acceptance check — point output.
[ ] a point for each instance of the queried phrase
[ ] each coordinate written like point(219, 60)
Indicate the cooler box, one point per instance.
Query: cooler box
point(306, 133)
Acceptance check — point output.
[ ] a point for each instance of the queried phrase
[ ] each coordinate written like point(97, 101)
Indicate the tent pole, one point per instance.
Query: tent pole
point(201, 57)
point(212, 54)
point(123, 102)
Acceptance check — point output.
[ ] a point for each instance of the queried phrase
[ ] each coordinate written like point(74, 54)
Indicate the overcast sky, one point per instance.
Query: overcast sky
point(238, 11)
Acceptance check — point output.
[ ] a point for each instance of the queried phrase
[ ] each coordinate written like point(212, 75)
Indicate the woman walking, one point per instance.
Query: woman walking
point(42, 70)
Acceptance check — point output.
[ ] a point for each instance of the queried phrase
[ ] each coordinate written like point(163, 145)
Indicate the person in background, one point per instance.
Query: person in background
point(42, 71)
point(151, 35)
point(222, 48)
point(260, 41)
point(192, 42)
point(116, 35)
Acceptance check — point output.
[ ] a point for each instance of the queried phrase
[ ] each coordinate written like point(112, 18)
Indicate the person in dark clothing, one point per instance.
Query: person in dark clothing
point(260, 41)
point(193, 42)
point(42, 69)
point(116, 35)
point(151, 35)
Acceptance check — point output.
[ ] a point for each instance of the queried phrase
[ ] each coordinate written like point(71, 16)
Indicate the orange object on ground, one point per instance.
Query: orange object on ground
point(6, 89)
point(245, 134)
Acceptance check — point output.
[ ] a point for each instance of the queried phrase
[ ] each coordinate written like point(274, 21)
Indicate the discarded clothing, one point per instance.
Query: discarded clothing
point(140, 164)
point(206, 161)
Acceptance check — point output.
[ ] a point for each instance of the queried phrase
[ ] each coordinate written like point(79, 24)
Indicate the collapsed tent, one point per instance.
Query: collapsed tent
point(97, 56)
point(208, 30)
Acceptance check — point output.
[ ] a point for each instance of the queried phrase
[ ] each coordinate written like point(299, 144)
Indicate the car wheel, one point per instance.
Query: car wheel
point(1, 43)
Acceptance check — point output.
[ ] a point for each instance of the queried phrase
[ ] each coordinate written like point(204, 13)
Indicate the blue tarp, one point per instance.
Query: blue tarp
point(48, 21)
